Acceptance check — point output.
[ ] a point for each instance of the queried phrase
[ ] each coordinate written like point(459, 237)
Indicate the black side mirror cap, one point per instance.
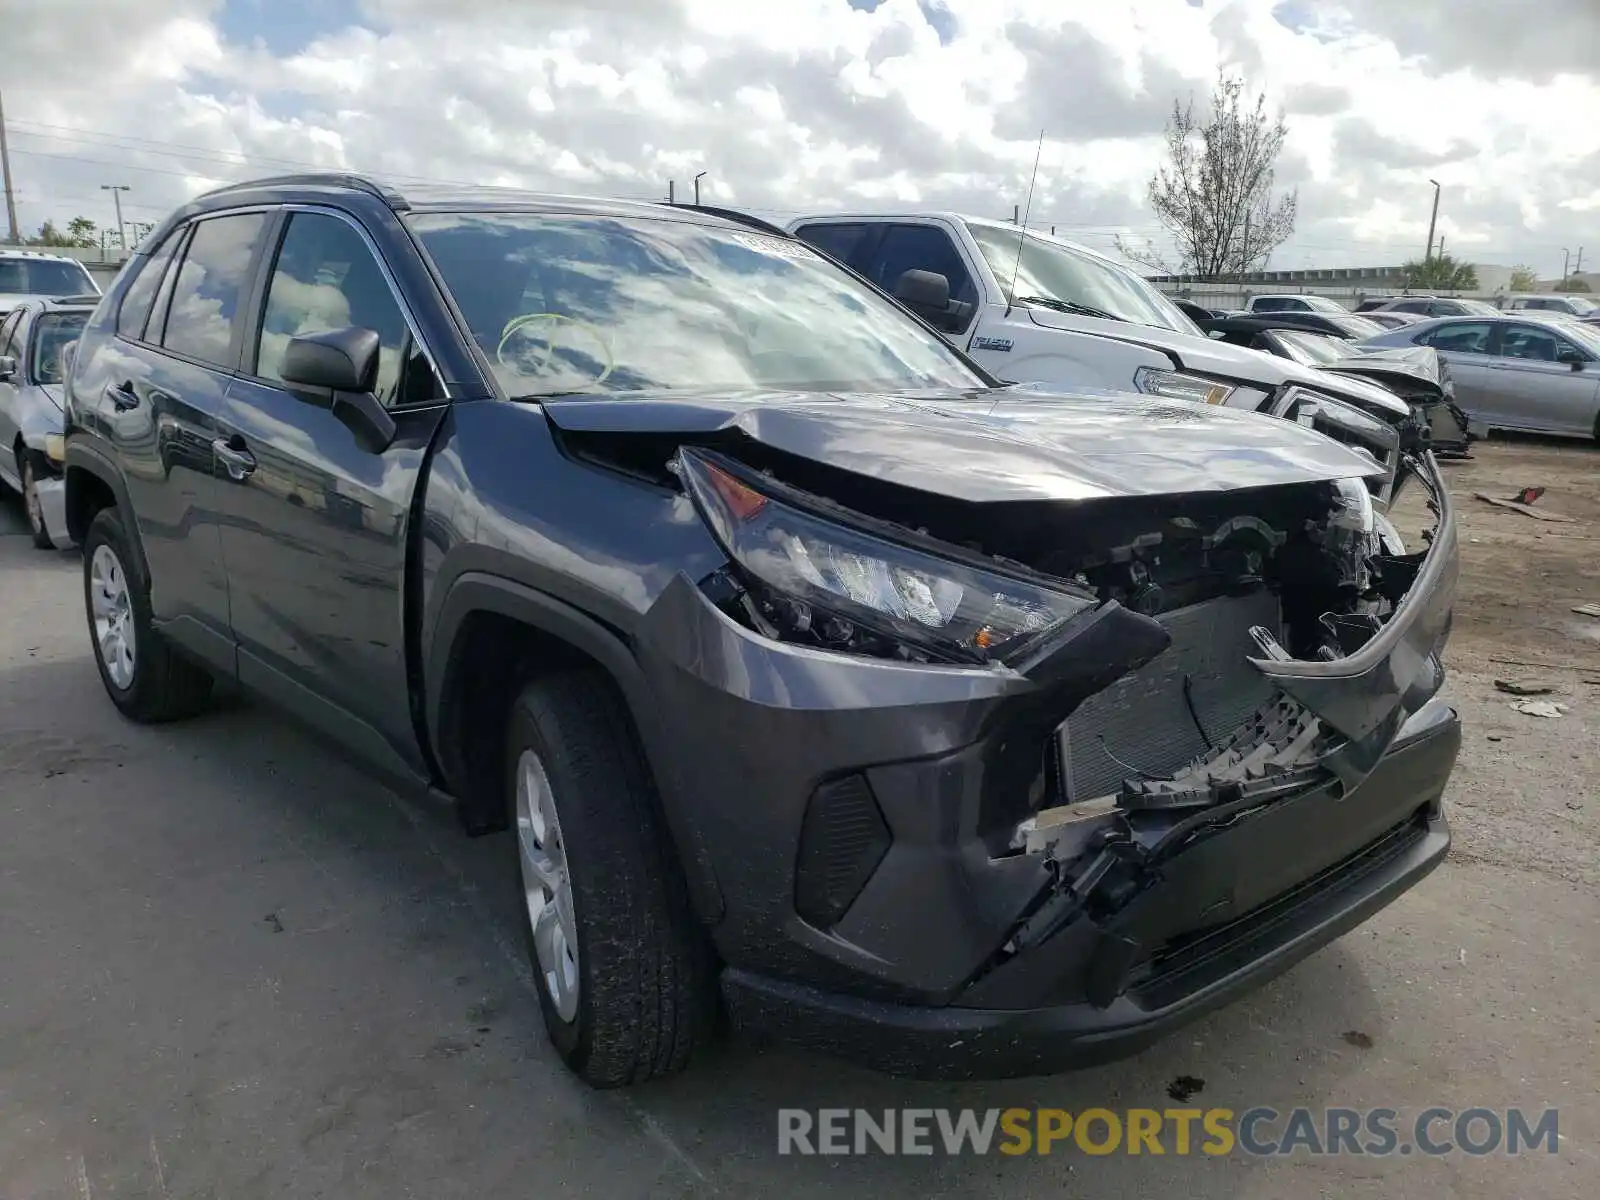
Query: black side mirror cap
point(926, 290)
point(1573, 359)
point(8, 367)
point(340, 360)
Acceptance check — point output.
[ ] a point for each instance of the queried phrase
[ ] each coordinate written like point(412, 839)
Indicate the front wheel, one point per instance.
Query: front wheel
point(622, 966)
point(145, 678)
point(30, 501)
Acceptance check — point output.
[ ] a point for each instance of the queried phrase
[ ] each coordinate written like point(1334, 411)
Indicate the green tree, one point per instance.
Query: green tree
point(1573, 284)
point(1523, 278)
point(1441, 273)
point(80, 233)
point(1215, 193)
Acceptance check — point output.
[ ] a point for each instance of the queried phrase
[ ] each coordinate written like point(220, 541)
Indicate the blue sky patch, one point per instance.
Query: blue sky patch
point(286, 27)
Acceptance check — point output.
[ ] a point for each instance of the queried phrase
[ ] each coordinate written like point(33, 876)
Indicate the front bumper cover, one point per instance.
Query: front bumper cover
point(956, 931)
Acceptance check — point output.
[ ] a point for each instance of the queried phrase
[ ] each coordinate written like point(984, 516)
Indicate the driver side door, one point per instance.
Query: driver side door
point(315, 526)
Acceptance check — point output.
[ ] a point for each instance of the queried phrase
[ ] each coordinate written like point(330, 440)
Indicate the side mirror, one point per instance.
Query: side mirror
point(342, 360)
point(344, 363)
point(1573, 358)
point(928, 294)
point(8, 368)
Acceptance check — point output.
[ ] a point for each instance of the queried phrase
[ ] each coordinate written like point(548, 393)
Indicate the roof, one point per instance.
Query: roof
point(425, 197)
point(19, 252)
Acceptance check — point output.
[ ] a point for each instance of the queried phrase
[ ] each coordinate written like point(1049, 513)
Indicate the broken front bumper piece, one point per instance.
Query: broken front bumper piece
point(867, 845)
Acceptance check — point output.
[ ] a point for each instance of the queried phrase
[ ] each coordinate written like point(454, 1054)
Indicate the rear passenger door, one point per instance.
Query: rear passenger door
point(315, 525)
point(1465, 345)
point(154, 396)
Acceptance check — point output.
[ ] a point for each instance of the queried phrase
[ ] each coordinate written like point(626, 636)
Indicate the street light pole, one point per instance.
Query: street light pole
point(116, 190)
point(1566, 258)
point(1433, 220)
point(697, 180)
point(5, 169)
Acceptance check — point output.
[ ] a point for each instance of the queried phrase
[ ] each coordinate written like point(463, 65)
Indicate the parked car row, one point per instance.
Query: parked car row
point(954, 725)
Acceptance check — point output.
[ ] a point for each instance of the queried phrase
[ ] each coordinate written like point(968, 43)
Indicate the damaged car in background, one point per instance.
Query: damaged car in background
point(953, 727)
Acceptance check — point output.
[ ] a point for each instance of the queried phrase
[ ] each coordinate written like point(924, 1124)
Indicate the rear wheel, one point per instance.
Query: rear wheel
point(30, 501)
point(622, 966)
point(142, 674)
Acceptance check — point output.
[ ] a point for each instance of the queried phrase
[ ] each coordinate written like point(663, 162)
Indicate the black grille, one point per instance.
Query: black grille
point(842, 840)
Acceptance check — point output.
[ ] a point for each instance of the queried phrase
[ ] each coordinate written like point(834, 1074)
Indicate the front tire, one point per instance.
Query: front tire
point(142, 674)
point(621, 965)
point(30, 501)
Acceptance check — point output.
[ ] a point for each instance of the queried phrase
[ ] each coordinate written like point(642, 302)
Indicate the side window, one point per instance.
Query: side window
point(326, 278)
point(1458, 337)
point(1411, 306)
point(920, 248)
point(1532, 344)
point(839, 240)
point(140, 297)
point(204, 312)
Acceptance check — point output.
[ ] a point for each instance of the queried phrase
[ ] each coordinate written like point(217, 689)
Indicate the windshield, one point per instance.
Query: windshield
point(1357, 327)
point(51, 335)
point(44, 277)
point(1052, 270)
point(1581, 306)
point(563, 303)
point(1312, 349)
point(1478, 306)
point(1586, 336)
point(1322, 304)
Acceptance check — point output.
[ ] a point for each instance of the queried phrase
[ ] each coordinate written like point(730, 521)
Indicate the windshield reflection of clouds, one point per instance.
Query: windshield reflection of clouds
point(569, 303)
point(1057, 272)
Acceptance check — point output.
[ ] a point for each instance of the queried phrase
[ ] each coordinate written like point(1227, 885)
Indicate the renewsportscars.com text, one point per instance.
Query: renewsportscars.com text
point(1259, 1132)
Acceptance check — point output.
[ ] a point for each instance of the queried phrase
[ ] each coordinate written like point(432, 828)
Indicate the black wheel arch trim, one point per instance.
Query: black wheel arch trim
point(87, 457)
point(475, 591)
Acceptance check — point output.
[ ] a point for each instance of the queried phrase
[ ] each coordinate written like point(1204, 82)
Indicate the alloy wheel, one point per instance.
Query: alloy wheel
point(547, 886)
point(112, 606)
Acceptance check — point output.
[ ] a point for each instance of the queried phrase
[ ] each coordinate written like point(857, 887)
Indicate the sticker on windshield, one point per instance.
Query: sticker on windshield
point(775, 246)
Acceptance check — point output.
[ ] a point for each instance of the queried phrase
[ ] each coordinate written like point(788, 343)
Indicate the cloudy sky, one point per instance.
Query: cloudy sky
point(793, 104)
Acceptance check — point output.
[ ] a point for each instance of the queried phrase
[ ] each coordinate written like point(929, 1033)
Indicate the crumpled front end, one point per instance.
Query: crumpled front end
point(1230, 753)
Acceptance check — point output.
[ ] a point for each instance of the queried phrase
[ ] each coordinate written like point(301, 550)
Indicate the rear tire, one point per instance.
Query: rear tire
point(30, 501)
point(630, 1000)
point(145, 678)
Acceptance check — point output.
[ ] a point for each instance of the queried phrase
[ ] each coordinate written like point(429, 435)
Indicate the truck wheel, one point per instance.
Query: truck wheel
point(141, 673)
point(30, 501)
point(622, 966)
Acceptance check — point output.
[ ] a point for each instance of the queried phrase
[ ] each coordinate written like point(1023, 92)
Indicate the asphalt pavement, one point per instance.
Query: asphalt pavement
point(232, 965)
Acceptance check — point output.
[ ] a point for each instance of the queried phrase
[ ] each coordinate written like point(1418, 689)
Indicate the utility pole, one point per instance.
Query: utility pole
point(1016, 214)
point(697, 180)
point(672, 191)
point(116, 190)
point(1432, 220)
point(5, 168)
point(1577, 265)
point(1566, 258)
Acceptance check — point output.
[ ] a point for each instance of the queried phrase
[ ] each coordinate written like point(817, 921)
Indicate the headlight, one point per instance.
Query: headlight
point(1174, 385)
point(55, 448)
point(813, 579)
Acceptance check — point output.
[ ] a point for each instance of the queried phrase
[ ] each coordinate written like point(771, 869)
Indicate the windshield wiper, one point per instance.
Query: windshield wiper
point(1069, 306)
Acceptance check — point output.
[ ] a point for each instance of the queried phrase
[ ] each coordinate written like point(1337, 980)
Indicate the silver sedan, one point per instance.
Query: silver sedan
point(34, 337)
point(1526, 371)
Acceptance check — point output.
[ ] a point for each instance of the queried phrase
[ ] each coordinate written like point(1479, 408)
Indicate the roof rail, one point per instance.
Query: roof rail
point(346, 179)
point(733, 214)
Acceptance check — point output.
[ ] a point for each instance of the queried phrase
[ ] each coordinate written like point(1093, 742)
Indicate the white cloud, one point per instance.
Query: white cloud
point(816, 102)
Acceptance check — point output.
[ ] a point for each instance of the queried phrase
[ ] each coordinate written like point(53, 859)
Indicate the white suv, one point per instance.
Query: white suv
point(35, 275)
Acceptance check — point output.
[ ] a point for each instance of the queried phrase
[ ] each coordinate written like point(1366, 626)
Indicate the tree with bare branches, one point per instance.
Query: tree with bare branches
point(1215, 194)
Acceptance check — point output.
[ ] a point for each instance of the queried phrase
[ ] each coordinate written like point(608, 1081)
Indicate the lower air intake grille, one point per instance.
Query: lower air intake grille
point(1142, 724)
point(842, 840)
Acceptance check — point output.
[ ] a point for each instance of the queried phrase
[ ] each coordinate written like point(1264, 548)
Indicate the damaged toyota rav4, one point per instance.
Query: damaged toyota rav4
point(955, 728)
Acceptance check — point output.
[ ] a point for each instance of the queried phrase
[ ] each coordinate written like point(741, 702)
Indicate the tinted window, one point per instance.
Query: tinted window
point(1412, 306)
point(326, 278)
point(1276, 304)
point(841, 241)
point(564, 304)
point(205, 307)
point(44, 277)
point(1459, 337)
point(51, 334)
point(920, 248)
point(1534, 344)
point(8, 329)
point(141, 293)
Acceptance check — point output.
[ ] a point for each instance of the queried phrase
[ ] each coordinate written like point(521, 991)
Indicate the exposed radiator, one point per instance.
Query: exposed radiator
point(1144, 720)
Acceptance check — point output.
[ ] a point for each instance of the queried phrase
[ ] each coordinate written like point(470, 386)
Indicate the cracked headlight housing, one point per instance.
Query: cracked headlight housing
point(814, 579)
point(1175, 385)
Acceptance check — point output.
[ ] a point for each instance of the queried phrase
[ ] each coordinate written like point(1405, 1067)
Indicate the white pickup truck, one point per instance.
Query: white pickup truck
point(1076, 319)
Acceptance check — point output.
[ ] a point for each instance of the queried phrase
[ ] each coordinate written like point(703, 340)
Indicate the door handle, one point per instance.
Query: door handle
point(236, 458)
point(122, 396)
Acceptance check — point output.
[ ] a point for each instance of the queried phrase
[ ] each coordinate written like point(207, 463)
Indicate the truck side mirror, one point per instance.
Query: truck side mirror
point(1573, 358)
point(8, 368)
point(923, 290)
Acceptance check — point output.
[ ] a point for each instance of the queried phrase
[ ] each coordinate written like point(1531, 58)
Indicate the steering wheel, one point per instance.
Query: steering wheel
point(526, 326)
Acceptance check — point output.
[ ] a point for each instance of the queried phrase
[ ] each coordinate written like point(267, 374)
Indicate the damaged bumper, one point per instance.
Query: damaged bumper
point(893, 868)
